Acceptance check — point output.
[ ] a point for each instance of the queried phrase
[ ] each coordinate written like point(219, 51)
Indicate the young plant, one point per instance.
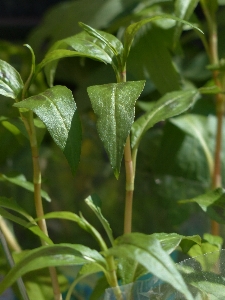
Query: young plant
point(133, 254)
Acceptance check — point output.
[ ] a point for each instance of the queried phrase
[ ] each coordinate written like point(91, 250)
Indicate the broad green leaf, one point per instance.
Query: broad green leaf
point(170, 241)
point(58, 111)
point(170, 105)
point(94, 203)
point(21, 181)
point(194, 126)
point(11, 83)
point(213, 203)
point(45, 256)
point(133, 28)
point(147, 251)
point(114, 106)
point(183, 10)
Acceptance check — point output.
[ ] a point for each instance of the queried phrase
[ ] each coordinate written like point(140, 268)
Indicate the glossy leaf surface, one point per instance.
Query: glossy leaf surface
point(11, 83)
point(213, 203)
point(57, 109)
point(147, 251)
point(170, 241)
point(114, 106)
point(170, 105)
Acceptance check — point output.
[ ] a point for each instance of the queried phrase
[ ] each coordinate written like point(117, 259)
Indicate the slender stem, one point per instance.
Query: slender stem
point(11, 263)
point(29, 124)
point(214, 59)
point(121, 77)
point(129, 187)
point(10, 238)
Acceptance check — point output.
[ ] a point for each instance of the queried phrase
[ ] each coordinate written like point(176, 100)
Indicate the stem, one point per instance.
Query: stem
point(121, 77)
point(9, 237)
point(29, 124)
point(214, 59)
point(129, 187)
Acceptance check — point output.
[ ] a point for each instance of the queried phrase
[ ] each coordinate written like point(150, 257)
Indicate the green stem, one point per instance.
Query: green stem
point(214, 59)
point(29, 124)
point(129, 169)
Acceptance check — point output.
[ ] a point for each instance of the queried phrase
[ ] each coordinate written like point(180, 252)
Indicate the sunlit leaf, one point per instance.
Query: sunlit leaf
point(58, 111)
point(170, 241)
point(147, 251)
point(11, 83)
point(114, 106)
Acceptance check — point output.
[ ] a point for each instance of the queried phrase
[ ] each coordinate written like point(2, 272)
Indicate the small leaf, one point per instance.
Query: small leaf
point(133, 28)
point(57, 109)
point(213, 203)
point(170, 241)
point(21, 181)
point(114, 105)
point(147, 251)
point(170, 105)
point(11, 83)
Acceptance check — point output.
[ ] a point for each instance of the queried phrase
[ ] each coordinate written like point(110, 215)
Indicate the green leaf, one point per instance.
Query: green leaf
point(133, 29)
point(94, 202)
point(147, 251)
point(109, 43)
point(170, 105)
point(114, 105)
point(45, 256)
point(58, 111)
point(21, 181)
point(84, 44)
point(213, 203)
point(11, 83)
point(62, 53)
point(183, 10)
point(214, 89)
point(170, 241)
point(31, 225)
point(194, 125)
